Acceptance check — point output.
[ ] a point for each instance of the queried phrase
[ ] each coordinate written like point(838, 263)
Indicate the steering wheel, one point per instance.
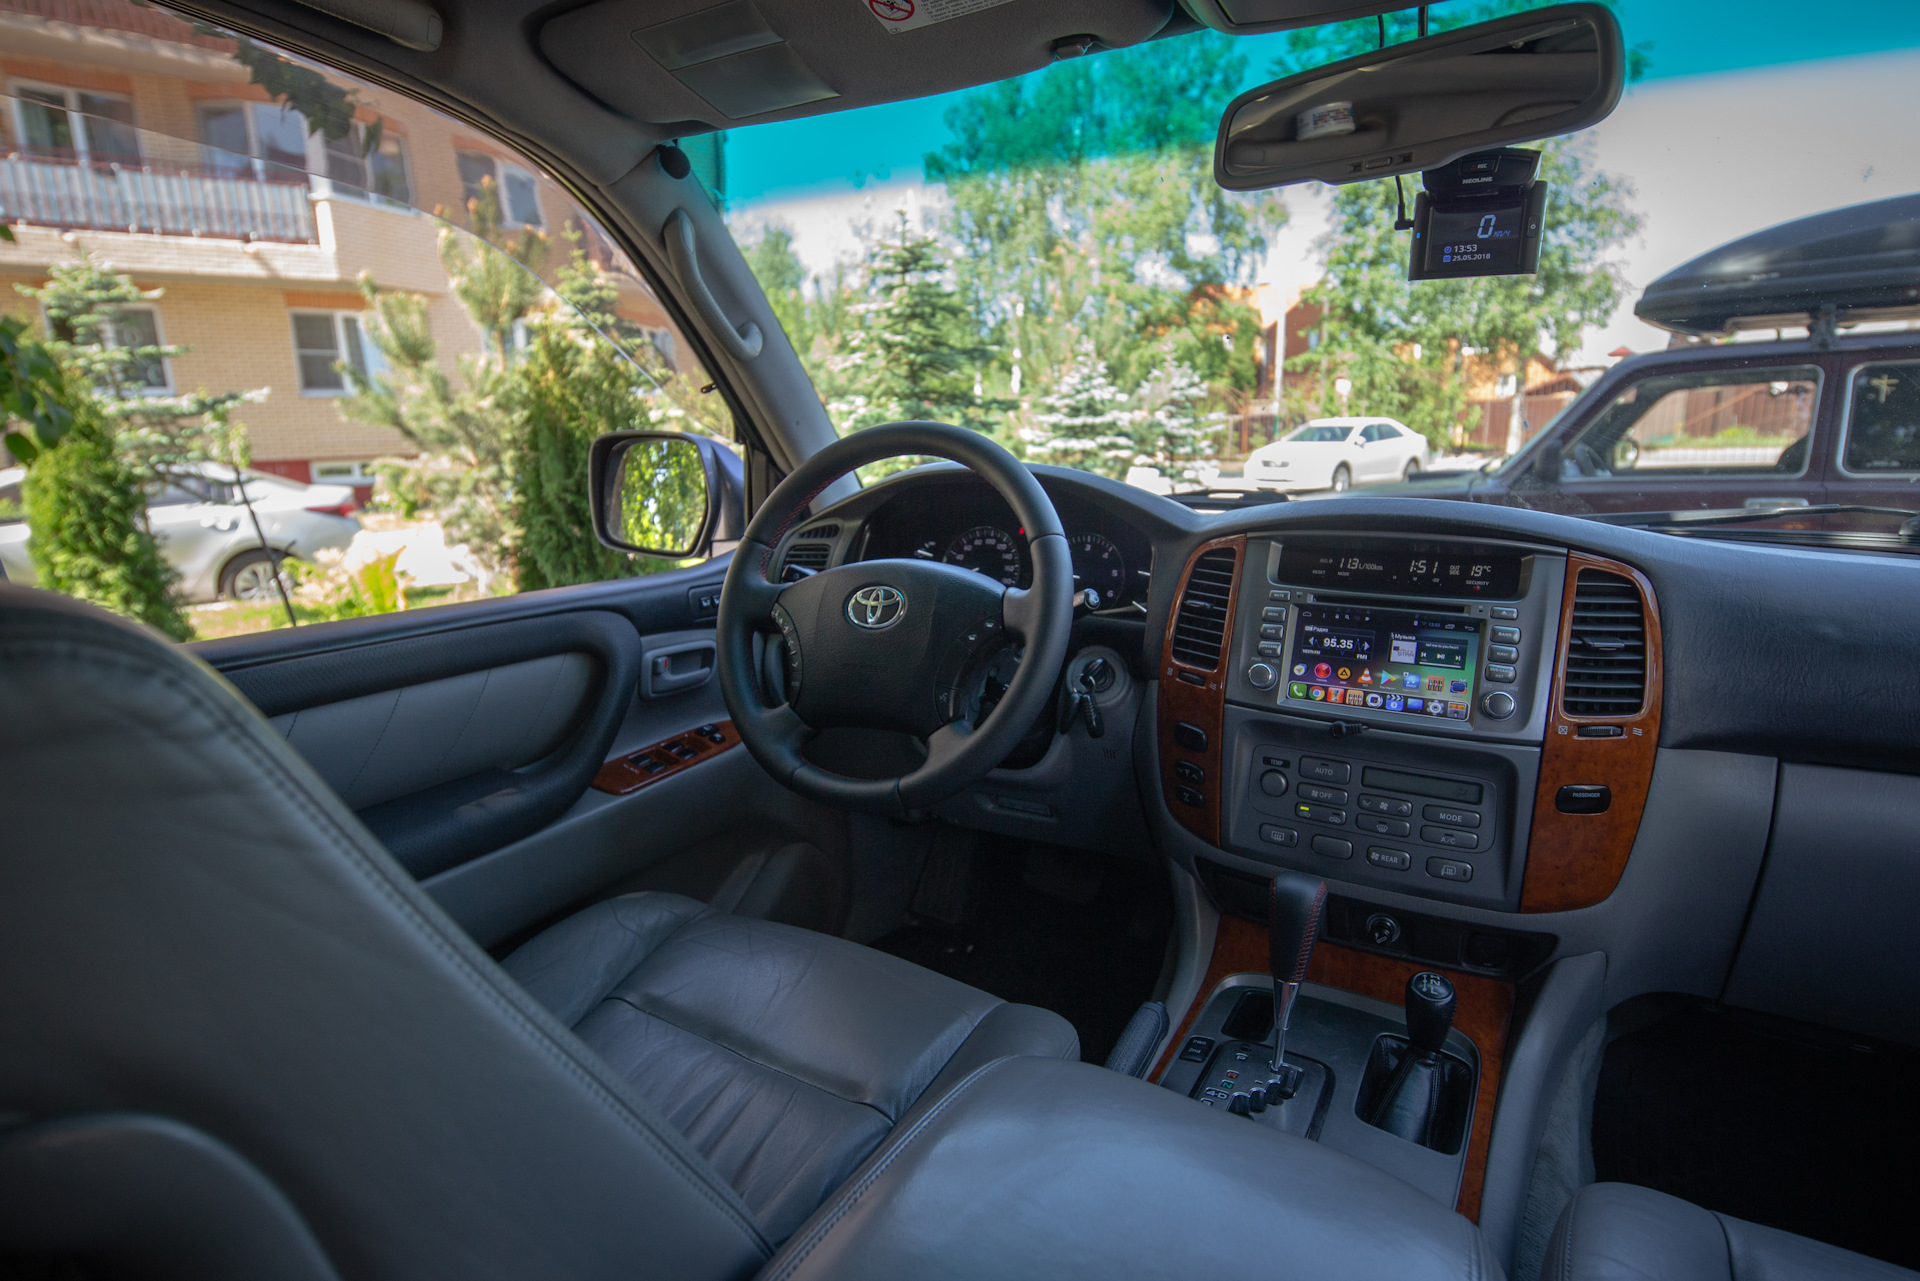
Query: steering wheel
point(882, 644)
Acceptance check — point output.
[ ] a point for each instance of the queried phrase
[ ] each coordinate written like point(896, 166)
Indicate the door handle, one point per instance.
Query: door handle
point(674, 669)
point(742, 343)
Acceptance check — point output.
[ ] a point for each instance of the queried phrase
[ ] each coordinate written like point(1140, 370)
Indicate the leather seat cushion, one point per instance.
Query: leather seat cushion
point(1619, 1232)
point(783, 1055)
point(1037, 1170)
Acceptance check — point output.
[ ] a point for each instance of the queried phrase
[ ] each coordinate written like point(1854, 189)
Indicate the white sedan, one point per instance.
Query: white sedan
point(201, 523)
point(1337, 454)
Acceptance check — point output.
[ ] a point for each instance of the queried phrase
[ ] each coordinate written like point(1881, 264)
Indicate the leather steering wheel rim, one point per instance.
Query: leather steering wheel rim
point(959, 755)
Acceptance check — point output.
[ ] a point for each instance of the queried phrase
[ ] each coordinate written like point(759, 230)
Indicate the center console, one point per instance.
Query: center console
point(1382, 702)
point(1469, 722)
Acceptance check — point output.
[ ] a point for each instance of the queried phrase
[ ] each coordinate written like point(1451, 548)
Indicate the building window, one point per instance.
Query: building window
point(375, 167)
point(518, 190)
point(271, 141)
point(323, 341)
point(70, 124)
point(336, 473)
point(135, 327)
point(260, 138)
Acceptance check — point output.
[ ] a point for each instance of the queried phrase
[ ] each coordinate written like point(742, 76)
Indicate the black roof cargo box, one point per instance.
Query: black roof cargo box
point(1863, 261)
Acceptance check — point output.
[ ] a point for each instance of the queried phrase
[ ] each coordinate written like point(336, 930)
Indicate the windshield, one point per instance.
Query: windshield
point(1320, 432)
point(1048, 260)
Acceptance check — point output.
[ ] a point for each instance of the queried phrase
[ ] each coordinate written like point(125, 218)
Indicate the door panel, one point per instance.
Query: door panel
point(467, 737)
point(461, 817)
point(379, 747)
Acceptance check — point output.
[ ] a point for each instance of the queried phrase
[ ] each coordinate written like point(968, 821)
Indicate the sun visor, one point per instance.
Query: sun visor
point(754, 60)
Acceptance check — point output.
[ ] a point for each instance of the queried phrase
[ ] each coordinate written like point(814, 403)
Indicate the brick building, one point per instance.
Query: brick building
point(130, 134)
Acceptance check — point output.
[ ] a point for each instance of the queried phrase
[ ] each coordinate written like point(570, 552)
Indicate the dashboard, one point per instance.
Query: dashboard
point(967, 524)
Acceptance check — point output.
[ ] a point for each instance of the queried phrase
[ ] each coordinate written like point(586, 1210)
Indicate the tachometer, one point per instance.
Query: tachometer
point(990, 551)
point(1097, 564)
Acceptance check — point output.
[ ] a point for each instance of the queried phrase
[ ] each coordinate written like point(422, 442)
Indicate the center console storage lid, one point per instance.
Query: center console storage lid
point(1044, 1169)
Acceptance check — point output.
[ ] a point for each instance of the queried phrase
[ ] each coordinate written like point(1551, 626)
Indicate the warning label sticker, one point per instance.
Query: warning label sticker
point(906, 15)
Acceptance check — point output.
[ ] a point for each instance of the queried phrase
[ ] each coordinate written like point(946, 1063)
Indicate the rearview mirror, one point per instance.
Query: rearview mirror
point(664, 493)
point(1418, 105)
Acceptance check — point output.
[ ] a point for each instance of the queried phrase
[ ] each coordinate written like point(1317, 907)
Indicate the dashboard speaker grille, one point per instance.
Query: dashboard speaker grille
point(1200, 628)
point(811, 557)
point(1606, 648)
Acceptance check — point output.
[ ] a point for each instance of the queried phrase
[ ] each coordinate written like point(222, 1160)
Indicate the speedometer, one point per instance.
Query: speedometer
point(1097, 564)
point(990, 551)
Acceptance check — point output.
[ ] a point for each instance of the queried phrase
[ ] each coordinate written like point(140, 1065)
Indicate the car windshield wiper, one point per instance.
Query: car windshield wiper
point(1710, 522)
point(1910, 520)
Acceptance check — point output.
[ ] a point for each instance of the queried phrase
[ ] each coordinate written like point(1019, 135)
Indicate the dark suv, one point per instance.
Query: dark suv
point(1821, 420)
point(1744, 425)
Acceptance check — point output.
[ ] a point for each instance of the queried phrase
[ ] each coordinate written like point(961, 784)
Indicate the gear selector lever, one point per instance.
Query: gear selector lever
point(1294, 905)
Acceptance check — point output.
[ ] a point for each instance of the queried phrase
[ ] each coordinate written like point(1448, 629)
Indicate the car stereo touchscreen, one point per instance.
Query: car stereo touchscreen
point(1390, 660)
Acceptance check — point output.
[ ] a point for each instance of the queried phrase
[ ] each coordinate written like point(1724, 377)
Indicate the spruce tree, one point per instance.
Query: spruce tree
point(1179, 431)
point(1084, 420)
point(570, 386)
point(914, 353)
point(84, 504)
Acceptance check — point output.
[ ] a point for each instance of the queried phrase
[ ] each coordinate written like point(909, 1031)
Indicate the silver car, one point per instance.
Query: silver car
point(201, 523)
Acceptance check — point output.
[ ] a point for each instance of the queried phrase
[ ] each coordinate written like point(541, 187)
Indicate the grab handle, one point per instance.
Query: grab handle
point(743, 343)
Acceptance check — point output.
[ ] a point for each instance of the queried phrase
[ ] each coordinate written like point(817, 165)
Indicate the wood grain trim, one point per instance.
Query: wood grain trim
point(1203, 705)
point(1484, 1016)
point(1576, 860)
point(626, 774)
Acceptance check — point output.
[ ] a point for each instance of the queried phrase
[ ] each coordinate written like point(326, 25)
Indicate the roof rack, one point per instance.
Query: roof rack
point(1842, 267)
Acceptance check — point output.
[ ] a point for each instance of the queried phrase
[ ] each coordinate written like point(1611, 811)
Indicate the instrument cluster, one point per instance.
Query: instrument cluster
point(967, 524)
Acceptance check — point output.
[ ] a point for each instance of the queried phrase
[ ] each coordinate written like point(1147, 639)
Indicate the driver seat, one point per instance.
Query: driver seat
point(201, 940)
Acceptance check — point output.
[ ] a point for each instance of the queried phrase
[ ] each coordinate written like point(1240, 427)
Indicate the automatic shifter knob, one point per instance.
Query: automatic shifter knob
point(1294, 905)
point(1430, 1005)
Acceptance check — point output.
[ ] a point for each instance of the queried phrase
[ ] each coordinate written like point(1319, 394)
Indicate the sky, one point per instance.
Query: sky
point(1751, 114)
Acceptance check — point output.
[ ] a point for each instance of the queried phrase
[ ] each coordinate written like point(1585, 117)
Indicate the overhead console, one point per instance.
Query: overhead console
point(1470, 721)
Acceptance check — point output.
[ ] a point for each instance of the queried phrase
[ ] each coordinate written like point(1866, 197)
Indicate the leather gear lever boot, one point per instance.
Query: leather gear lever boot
point(1415, 1098)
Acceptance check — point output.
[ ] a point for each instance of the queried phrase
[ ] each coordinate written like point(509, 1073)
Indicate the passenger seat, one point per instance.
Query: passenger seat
point(1618, 1232)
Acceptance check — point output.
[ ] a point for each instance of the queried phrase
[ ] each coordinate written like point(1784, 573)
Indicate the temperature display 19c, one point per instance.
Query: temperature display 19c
point(1408, 569)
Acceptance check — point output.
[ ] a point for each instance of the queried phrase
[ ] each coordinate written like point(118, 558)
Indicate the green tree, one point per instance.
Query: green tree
point(913, 353)
point(463, 428)
point(1084, 421)
point(1178, 431)
point(1084, 206)
point(571, 385)
point(84, 504)
point(95, 332)
point(1403, 346)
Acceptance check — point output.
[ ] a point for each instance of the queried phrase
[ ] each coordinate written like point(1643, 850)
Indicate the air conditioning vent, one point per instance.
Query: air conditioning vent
point(1606, 648)
point(808, 558)
point(828, 530)
point(1200, 628)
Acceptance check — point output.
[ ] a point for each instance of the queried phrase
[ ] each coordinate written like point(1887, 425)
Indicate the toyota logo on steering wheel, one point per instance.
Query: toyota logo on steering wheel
point(876, 608)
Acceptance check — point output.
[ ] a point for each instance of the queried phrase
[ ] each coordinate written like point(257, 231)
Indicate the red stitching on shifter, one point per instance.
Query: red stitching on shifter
point(1309, 935)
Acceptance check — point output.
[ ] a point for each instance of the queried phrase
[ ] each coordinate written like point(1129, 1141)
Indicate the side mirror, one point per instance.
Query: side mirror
point(665, 494)
point(1421, 104)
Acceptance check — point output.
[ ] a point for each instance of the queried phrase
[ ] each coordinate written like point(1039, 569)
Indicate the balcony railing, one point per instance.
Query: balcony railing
point(53, 191)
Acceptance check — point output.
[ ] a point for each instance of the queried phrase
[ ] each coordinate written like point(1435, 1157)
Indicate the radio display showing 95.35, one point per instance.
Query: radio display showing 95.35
point(1411, 571)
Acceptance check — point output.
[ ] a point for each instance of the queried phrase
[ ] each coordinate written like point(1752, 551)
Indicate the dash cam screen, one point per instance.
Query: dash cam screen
point(1476, 240)
point(1386, 659)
